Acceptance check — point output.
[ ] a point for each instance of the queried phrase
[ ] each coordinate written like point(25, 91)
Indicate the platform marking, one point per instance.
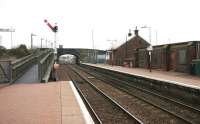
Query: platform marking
point(84, 110)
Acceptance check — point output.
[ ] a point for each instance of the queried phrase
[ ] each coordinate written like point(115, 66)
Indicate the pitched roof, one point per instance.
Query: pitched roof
point(135, 38)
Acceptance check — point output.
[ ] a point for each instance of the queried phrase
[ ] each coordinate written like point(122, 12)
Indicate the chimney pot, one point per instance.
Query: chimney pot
point(136, 32)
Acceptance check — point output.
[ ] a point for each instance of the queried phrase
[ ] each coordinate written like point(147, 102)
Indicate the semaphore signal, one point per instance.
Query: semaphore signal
point(54, 29)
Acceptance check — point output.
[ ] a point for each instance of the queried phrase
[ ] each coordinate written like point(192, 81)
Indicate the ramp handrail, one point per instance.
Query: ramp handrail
point(19, 68)
point(45, 66)
point(15, 69)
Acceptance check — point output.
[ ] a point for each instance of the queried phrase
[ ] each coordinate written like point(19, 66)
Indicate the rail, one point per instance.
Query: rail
point(181, 93)
point(95, 117)
point(188, 113)
point(112, 101)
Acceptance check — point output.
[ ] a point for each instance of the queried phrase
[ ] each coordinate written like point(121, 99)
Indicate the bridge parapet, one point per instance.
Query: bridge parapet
point(5, 71)
point(10, 71)
point(45, 67)
point(43, 53)
point(20, 67)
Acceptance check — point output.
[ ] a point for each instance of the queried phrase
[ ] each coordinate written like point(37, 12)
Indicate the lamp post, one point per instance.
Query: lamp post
point(32, 40)
point(156, 37)
point(49, 45)
point(92, 46)
point(112, 49)
point(11, 30)
point(94, 56)
point(149, 32)
point(46, 43)
point(41, 42)
point(149, 49)
point(11, 37)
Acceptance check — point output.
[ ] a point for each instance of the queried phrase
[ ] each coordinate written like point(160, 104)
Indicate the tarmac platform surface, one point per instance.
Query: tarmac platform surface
point(168, 76)
point(36, 103)
point(30, 76)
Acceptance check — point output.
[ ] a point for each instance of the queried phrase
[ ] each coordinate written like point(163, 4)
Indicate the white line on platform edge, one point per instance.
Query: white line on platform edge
point(86, 115)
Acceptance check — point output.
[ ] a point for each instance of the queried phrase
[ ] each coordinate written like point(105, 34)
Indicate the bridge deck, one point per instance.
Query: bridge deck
point(49, 103)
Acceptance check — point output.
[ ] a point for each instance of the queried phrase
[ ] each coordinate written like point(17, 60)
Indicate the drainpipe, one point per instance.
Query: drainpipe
point(198, 50)
point(126, 48)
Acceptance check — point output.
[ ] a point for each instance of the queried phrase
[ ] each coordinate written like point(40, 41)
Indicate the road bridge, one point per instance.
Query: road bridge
point(83, 55)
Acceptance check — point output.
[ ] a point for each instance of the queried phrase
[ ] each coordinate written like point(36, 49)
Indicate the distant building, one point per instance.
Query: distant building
point(60, 46)
point(101, 57)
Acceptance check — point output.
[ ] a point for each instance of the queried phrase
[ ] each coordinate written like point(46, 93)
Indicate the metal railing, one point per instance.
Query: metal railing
point(5, 71)
point(19, 67)
point(45, 66)
point(10, 71)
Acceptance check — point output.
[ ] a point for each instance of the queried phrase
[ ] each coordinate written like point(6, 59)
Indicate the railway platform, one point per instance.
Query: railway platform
point(36, 103)
point(2, 85)
point(171, 77)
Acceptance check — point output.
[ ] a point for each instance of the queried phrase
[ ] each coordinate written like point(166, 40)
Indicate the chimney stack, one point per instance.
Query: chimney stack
point(136, 31)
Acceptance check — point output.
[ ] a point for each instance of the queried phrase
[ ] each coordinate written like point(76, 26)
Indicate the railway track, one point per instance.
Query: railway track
point(147, 106)
point(105, 110)
point(150, 85)
point(187, 114)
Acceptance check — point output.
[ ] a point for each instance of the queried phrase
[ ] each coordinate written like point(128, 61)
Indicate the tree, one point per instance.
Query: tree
point(20, 51)
point(2, 50)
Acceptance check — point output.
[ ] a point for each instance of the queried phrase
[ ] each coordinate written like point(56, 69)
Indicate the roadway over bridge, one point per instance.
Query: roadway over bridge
point(83, 55)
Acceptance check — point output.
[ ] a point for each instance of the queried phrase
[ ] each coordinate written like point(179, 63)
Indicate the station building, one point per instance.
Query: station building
point(168, 57)
point(127, 53)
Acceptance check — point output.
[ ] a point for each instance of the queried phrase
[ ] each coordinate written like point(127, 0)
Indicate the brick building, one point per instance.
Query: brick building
point(127, 53)
point(175, 57)
point(169, 57)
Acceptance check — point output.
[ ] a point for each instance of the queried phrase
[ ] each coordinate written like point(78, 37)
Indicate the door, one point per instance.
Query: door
point(172, 60)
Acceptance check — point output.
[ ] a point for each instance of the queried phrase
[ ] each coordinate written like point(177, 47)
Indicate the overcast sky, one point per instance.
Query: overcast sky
point(173, 20)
